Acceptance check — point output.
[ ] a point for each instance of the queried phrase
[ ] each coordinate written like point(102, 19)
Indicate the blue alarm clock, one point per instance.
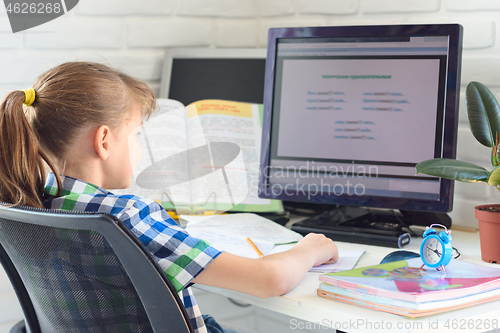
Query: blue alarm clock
point(436, 249)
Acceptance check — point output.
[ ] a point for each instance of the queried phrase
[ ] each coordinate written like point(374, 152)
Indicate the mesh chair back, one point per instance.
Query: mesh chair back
point(86, 273)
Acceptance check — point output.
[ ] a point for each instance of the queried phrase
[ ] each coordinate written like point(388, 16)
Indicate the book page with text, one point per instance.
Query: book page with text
point(216, 121)
point(162, 173)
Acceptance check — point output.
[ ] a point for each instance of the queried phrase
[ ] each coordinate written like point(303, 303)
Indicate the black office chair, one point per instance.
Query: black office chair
point(84, 272)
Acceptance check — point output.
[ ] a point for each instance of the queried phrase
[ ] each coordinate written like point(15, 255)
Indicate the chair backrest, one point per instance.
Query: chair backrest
point(85, 272)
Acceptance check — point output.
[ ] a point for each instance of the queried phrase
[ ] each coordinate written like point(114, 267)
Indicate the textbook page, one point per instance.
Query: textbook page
point(229, 233)
point(162, 137)
point(208, 161)
point(230, 122)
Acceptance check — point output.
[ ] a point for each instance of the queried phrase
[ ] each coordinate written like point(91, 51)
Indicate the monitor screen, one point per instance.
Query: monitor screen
point(193, 74)
point(350, 111)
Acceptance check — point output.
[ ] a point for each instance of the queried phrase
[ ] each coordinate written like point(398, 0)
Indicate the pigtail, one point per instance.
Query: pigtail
point(22, 170)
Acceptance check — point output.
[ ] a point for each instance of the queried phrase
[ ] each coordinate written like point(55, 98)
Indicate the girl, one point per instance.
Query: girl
point(82, 121)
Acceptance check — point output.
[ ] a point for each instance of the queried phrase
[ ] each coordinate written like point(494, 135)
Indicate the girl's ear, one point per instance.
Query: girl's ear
point(102, 142)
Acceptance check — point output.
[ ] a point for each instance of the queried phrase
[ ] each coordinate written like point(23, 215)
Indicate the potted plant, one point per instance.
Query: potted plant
point(483, 114)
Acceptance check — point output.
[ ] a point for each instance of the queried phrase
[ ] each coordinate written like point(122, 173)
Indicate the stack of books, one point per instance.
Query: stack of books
point(404, 289)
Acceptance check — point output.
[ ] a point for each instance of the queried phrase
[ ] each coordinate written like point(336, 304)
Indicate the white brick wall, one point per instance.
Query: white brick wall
point(134, 34)
point(399, 6)
point(327, 6)
point(24, 67)
point(478, 33)
point(470, 6)
point(236, 33)
point(169, 32)
point(276, 7)
point(217, 8)
point(119, 7)
point(8, 40)
point(73, 32)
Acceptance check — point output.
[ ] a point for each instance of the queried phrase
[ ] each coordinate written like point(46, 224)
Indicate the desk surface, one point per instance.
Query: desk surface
point(303, 303)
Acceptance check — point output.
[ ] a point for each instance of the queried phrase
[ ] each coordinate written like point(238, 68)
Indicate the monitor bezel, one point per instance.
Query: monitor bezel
point(454, 31)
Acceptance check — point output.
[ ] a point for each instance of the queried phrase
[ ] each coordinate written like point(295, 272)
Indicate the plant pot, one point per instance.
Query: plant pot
point(489, 233)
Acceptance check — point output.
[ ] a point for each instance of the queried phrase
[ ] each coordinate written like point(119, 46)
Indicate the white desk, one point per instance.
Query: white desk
point(303, 303)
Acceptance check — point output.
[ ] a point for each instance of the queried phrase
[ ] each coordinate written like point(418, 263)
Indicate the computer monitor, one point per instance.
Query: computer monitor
point(348, 113)
point(193, 74)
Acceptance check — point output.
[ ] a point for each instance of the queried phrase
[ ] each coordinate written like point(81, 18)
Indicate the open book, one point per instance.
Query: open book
point(229, 233)
point(203, 157)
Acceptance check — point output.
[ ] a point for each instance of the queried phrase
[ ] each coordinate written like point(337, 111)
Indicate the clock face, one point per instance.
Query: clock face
point(432, 250)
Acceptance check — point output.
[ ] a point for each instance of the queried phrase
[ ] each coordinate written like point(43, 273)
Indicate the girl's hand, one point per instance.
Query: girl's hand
point(322, 248)
point(272, 275)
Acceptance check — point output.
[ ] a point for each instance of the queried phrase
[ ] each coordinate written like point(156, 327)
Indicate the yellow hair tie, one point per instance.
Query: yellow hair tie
point(29, 96)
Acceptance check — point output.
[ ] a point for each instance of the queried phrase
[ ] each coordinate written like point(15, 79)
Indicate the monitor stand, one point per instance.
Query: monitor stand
point(381, 227)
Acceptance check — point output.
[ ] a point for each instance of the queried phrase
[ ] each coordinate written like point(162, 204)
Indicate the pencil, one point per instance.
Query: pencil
point(255, 247)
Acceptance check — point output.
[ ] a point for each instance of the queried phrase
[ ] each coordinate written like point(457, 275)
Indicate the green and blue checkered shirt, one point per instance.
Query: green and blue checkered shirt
point(181, 256)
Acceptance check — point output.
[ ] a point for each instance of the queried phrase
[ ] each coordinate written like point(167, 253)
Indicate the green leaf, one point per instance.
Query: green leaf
point(494, 178)
point(483, 113)
point(453, 169)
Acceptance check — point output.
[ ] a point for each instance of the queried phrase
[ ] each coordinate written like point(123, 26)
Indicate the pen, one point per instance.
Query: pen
point(286, 243)
point(255, 247)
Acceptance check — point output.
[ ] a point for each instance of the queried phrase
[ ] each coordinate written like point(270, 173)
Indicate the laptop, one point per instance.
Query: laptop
point(193, 74)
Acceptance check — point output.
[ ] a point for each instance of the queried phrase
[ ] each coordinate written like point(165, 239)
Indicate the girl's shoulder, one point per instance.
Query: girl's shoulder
point(136, 207)
point(106, 202)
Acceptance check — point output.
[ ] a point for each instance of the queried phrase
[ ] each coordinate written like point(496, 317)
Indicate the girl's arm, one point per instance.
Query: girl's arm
point(272, 275)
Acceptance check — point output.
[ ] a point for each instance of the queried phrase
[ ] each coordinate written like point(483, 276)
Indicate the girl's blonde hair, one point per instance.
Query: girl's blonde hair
point(69, 98)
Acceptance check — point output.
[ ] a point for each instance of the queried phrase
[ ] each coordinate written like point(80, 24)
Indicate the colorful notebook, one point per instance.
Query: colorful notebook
point(403, 288)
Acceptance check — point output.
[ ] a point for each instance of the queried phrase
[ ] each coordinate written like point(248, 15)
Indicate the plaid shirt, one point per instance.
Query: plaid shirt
point(181, 256)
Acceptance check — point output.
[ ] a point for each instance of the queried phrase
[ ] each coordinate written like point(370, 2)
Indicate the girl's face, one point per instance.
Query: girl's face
point(128, 152)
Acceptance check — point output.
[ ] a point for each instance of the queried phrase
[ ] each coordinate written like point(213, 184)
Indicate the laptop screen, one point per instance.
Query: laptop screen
point(199, 74)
